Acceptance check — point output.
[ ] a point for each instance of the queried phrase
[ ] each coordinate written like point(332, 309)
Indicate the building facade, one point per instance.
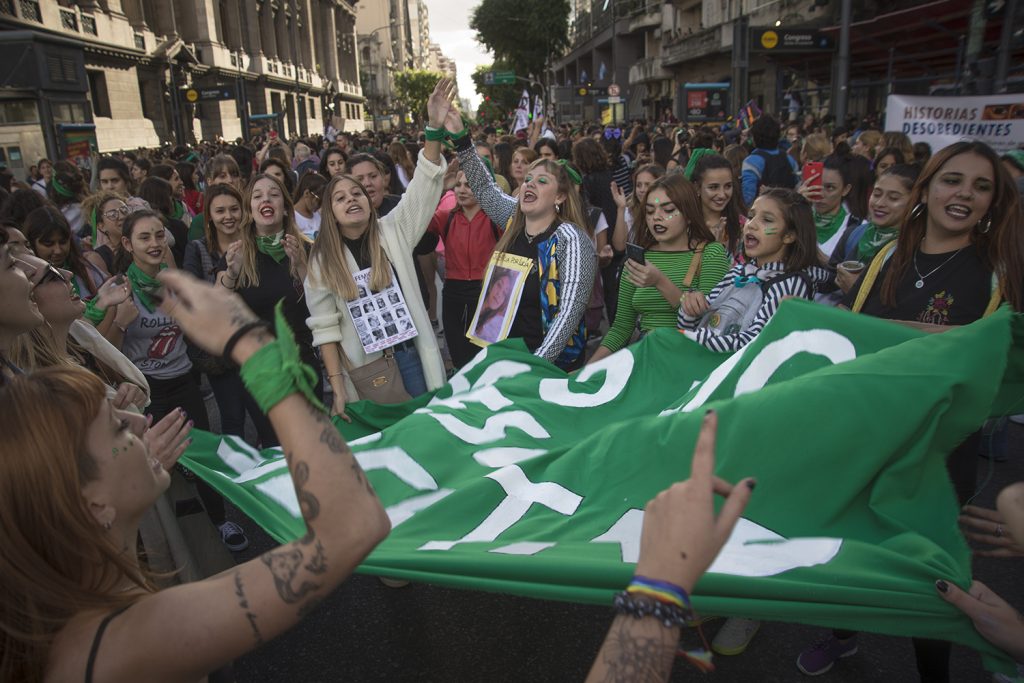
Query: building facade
point(131, 64)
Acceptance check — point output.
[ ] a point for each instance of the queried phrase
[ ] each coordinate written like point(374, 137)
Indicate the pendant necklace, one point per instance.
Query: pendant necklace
point(920, 278)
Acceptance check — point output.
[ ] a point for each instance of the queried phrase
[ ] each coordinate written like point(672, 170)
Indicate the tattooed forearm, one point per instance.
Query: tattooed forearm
point(308, 503)
point(243, 602)
point(284, 564)
point(331, 438)
point(633, 655)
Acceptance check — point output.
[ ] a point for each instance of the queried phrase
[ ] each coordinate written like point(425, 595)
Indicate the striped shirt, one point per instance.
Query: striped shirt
point(622, 174)
point(776, 292)
point(576, 257)
point(647, 304)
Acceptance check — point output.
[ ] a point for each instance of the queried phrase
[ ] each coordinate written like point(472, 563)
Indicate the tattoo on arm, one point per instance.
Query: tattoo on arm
point(332, 439)
point(634, 657)
point(284, 563)
point(243, 602)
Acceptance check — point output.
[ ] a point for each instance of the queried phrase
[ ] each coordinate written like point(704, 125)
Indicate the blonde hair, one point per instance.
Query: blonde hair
point(92, 207)
point(571, 212)
point(870, 139)
point(816, 147)
point(249, 276)
point(332, 271)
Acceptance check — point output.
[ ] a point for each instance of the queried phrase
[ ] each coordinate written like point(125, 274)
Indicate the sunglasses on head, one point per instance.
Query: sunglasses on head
point(610, 133)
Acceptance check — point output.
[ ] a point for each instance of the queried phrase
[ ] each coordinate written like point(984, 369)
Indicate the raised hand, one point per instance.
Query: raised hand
point(126, 314)
point(439, 102)
point(296, 255)
point(681, 535)
point(233, 256)
point(618, 195)
point(208, 315)
point(168, 438)
point(113, 292)
point(453, 119)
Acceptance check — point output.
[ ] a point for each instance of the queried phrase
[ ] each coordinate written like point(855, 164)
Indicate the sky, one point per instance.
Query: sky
point(449, 28)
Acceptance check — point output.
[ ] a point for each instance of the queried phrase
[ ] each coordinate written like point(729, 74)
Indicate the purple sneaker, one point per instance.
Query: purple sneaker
point(823, 655)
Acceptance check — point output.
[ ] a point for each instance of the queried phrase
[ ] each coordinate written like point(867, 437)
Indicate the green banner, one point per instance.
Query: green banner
point(519, 479)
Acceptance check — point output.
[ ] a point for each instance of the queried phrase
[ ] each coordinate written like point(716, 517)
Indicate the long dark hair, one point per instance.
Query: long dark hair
point(209, 230)
point(855, 171)
point(798, 216)
point(733, 210)
point(158, 193)
point(123, 257)
point(682, 193)
point(1000, 246)
point(46, 222)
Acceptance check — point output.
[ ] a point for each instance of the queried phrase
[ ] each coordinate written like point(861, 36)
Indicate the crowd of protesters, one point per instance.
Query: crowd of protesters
point(609, 232)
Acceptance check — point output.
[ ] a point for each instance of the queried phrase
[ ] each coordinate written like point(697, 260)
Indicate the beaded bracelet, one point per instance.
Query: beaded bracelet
point(638, 608)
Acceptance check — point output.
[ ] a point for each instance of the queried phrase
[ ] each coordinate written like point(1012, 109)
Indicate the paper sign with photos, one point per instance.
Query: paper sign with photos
point(499, 298)
point(381, 318)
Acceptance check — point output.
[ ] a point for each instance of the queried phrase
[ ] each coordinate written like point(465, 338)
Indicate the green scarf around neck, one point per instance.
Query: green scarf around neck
point(179, 210)
point(144, 286)
point(828, 225)
point(272, 245)
point(873, 239)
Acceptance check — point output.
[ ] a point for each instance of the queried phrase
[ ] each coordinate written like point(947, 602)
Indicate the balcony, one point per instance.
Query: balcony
point(647, 16)
point(683, 48)
point(649, 69)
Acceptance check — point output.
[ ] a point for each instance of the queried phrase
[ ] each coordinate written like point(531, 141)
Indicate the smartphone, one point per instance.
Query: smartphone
point(635, 252)
point(273, 134)
point(812, 172)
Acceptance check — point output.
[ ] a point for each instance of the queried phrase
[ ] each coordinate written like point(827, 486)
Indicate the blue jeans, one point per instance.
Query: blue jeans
point(411, 368)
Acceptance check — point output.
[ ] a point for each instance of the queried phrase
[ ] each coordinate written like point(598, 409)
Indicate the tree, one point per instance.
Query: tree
point(500, 99)
point(523, 33)
point(414, 87)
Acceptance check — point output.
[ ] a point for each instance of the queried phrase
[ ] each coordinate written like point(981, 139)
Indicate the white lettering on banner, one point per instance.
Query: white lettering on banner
point(752, 550)
point(483, 390)
point(827, 343)
point(504, 456)
point(401, 512)
point(626, 532)
point(617, 367)
point(239, 456)
point(522, 548)
point(494, 428)
point(521, 495)
point(369, 438)
point(458, 383)
point(713, 381)
point(400, 464)
point(281, 491)
point(279, 466)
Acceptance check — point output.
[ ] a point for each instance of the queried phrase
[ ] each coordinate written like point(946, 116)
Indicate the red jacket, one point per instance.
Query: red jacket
point(467, 244)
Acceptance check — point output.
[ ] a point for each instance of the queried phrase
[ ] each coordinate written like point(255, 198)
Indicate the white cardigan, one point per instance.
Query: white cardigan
point(400, 232)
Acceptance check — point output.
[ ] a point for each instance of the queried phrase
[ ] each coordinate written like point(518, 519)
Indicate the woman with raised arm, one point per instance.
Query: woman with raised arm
point(545, 224)
point(77, 605)
point(353, 239)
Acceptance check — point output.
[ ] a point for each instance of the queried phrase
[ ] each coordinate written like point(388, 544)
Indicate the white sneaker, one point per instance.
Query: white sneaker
point(1017, 419)
point(734, 636)
point(393, 583)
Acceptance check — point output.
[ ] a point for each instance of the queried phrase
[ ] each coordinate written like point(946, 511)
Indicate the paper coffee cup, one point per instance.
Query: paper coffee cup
point(852, 267)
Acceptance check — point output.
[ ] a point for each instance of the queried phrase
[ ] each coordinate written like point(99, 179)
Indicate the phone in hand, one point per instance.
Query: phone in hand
point(812, 172)
point(273, 135)
point(635, 252)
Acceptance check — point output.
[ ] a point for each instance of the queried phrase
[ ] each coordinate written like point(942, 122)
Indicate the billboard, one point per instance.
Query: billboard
point(705, 102)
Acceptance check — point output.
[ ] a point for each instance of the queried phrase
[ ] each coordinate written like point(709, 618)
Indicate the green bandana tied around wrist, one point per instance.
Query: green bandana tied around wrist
point(276, 371)
point(144, 286)
point(695, 156)
point(828, 225)
point(574, 175)
point(93, 312)
point(272, 245)
point(60, 189)
point(179, 210)
point(873, 239)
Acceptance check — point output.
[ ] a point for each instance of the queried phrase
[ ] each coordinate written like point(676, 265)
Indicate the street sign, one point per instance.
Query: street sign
point(613, 90)
point(220, 92)
point(789, 40)
point(500, 78)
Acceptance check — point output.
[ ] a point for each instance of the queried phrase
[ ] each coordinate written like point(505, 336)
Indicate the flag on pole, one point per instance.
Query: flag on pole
point(522, 115)
point(517, 478)
point(748, 114)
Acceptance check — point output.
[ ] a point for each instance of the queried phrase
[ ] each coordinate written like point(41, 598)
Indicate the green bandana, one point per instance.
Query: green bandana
point(873, 239)
point(60, 189)
point(272, 245)
point(144, 286)
point(178, 211)
point(694, 158)
point(828, 225)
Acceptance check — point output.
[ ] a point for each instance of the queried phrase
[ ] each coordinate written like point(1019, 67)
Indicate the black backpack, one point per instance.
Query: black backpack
point(777, 170)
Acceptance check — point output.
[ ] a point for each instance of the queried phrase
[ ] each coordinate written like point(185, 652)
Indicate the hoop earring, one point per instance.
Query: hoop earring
point(917, 211)
point(107, 526)
point(985, 224)
point(558, 208)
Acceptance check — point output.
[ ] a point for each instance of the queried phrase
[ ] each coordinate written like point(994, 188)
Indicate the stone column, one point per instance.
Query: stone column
point(282, 35)
point(267, 37)
point(250, 27)
point(331, 43)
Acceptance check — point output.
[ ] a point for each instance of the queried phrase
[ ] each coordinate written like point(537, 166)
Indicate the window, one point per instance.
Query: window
point(69, 20)
point(69, 112)
point(98, 93)
point(312, 108)
point(30, 10)
point(18, 111)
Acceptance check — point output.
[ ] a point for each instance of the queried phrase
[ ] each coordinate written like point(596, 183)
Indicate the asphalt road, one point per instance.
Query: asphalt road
point(368, 632)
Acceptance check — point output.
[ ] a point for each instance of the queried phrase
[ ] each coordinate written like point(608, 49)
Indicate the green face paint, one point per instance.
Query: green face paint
point(771, 231)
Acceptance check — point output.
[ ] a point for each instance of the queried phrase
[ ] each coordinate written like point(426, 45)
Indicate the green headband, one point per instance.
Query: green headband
point(93, 223)
point(574, 175)
point(60, 189)
point(695, 156)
